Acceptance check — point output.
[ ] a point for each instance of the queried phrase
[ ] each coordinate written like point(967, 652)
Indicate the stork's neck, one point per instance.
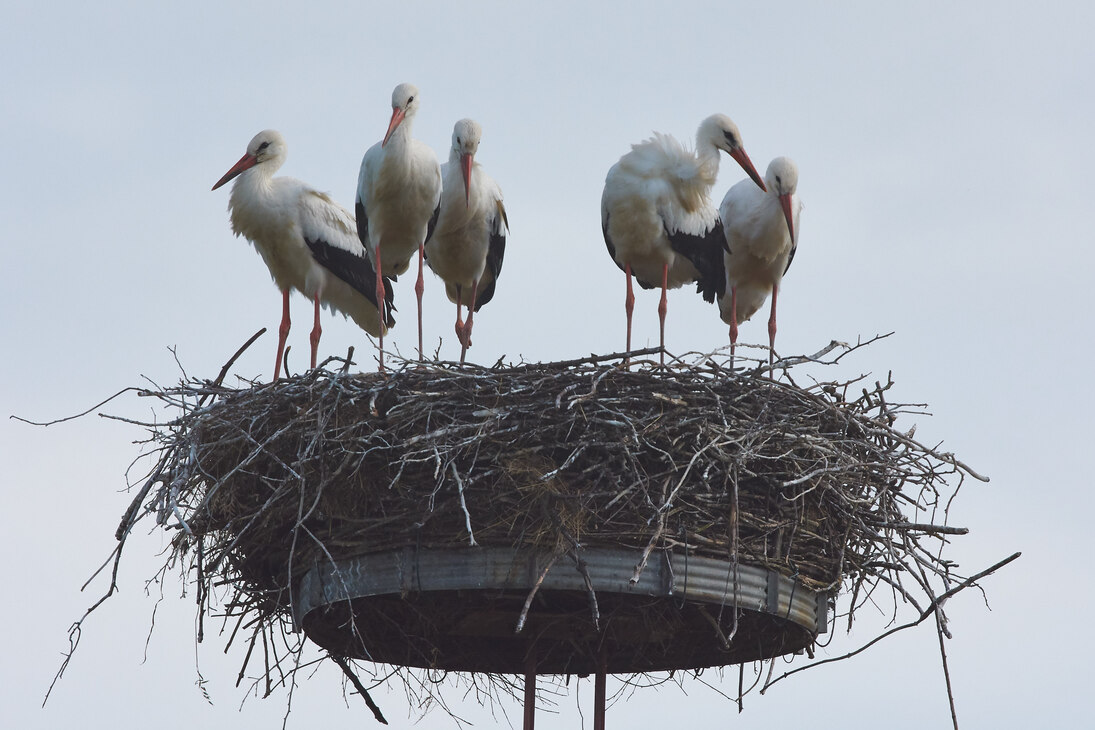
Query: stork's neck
point(401, 135)
point(403, 156)
point(250, 201)
point(253, 184)
point(697, 176)
point(707, 162)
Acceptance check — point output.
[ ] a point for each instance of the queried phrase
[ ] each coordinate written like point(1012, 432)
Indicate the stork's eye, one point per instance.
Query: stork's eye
point(263, 146)
point(410, 99)
point(730, 139)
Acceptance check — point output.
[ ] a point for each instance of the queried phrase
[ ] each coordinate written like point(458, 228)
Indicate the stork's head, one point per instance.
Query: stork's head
point(782, 179)
point(719, 130)
point(404, 106)
point(266, 148)
point(465, 143)
point(782, 176)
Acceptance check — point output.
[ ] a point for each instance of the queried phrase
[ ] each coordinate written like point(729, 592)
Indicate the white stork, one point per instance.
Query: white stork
point(658, 219)
point(398, 198)
point(468, 245)
point(306, 239)
point(761, 237)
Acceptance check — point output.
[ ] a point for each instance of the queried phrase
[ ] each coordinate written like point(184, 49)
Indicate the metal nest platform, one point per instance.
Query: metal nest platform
point(459, 610)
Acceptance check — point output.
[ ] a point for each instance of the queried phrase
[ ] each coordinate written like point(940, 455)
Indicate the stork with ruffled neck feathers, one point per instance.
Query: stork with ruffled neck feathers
point(306, 240)
point(657, 216)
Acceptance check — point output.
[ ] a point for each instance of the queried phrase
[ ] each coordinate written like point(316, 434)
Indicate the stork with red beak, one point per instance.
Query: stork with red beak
point(657, 216)
point(398, 198)
point(468, 245)
point(307, 241)
point(761, 238)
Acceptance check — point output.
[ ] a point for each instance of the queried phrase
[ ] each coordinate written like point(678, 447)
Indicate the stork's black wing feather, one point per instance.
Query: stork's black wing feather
point(495, 253)
point(794, 247)
point(608, 239)
point(705, 252)
point(362, 223)
point(433, 221)
point(354, 269)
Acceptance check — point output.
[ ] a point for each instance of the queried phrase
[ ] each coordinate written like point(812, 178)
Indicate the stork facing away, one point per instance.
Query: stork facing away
point(657, 216)
point(761, 237)
point(469, 242)
point(398, 198)
point(306, 240)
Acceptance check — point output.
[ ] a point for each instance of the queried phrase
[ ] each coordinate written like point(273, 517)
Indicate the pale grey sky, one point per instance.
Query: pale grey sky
point(943, 151)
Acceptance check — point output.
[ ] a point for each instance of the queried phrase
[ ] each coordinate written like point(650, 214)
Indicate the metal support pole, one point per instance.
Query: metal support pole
point(530, 690)
point(599, 694)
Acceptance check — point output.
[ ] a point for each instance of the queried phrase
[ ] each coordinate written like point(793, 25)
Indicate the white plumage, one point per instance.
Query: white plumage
point(657, 217)
point(398, 197)
point(469, 242)
point(761, 236)
point(306, 239)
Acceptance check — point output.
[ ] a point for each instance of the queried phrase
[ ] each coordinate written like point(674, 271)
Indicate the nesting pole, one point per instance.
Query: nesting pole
point(530, 689)
point(599, 696)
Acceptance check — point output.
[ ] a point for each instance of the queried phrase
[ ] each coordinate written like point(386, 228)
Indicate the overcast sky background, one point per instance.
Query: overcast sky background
point(944, 153)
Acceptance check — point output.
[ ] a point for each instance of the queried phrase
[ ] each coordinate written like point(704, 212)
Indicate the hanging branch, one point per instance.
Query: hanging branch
point(352, 676)
point(930, 610)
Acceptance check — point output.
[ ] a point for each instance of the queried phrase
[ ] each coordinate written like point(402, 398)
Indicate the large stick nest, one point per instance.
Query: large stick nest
point(814, 482)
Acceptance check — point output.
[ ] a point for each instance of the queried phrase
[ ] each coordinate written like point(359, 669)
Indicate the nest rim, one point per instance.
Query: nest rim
point(464, 610)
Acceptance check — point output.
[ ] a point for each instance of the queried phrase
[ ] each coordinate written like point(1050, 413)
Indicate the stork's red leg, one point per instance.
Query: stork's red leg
point(316, 332)
point(733, 323)
point(419, 287)
point(459, 318)
point(283, 332)
point(380, 305)
point(663, 307)
point(772, 334)
point(467, 325)
point(629, 304)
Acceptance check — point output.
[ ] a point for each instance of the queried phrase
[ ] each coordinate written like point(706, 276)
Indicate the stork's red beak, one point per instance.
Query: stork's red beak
point(746, 164)
point(466, 161)
point(397, 118)
point(785, 203)
point(246, 162)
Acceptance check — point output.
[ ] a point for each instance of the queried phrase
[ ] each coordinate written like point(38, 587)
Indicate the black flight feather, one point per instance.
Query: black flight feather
point(705, 252)
point(495, 254)
point(433, 221)
point(354, 269)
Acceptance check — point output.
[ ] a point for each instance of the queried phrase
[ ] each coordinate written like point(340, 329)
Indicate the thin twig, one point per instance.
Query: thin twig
point(78, 415)
point(227, 366)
